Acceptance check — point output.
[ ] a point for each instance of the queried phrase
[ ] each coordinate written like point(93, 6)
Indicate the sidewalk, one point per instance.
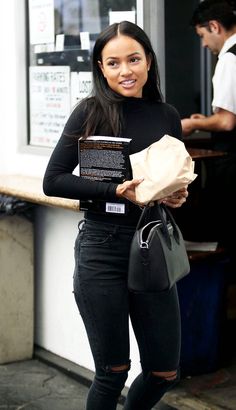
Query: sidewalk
point(34, 385)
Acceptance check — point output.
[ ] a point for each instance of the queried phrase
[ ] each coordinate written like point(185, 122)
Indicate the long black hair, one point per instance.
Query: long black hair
point(224, 11)
point(103, 109)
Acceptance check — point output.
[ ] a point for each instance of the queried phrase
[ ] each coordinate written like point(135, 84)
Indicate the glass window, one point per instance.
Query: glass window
point(182, 58)
point(188, 66)
point(60, 39)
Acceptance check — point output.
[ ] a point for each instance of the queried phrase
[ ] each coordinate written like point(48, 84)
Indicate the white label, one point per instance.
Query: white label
point(60, 39)
point(85, 40)
point(115, 208)
point(118, 16)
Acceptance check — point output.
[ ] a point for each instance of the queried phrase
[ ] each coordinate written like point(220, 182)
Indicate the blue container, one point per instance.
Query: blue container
point(202, 296)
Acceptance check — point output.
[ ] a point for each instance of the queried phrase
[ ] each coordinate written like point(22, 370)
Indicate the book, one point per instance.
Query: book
point(105, 159)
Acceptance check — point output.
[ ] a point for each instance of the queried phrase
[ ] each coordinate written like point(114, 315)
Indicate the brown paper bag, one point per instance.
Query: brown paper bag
point(166, 167)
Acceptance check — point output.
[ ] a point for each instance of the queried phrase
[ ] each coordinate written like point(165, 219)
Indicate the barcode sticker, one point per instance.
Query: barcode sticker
point(115, 208)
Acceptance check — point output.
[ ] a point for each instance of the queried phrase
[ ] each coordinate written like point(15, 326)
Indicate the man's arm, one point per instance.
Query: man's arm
point(222, 120)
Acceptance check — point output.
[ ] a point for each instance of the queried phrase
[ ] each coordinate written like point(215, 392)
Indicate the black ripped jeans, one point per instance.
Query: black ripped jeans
point(105, 304)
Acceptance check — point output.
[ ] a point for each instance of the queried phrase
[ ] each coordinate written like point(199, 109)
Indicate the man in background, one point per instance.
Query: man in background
point(215, 23)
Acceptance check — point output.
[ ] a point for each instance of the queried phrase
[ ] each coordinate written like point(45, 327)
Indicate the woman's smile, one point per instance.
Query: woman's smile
point(128, 83)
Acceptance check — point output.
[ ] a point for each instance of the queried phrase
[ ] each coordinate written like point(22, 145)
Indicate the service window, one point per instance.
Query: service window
point(61, 34)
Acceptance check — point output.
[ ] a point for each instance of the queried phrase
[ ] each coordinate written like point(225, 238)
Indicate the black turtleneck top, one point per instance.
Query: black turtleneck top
point(144, 122)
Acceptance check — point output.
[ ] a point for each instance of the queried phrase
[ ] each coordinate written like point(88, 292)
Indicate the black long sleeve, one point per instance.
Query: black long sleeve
point(144, 122)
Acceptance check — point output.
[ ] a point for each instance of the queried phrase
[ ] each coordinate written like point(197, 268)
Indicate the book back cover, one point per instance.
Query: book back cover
point(106, 159)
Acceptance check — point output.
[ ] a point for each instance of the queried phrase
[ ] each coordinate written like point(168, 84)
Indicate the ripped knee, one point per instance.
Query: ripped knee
point(168, 376)
point(111, 378)
point(118, 368)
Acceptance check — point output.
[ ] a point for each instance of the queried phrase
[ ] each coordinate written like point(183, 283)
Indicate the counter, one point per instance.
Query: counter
point(30, 189)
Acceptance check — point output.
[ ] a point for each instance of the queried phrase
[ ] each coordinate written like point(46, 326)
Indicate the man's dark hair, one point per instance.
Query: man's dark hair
point(224, 11)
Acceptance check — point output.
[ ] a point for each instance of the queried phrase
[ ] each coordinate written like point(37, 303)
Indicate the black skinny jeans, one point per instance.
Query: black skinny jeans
point(105, 304)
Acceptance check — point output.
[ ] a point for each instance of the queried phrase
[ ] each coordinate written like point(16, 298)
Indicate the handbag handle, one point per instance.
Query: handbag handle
point(165, 226)
point(143, 216)
point(160, 208)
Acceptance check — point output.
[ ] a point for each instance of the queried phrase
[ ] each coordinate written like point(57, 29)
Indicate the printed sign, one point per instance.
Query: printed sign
point(81, 86)
point(41, 19)
point(49, 103)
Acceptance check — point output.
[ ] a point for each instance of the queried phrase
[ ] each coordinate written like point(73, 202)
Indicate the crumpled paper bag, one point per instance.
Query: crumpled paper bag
point(166, 167)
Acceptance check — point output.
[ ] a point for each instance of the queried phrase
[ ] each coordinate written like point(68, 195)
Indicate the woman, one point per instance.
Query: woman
point(127, 103)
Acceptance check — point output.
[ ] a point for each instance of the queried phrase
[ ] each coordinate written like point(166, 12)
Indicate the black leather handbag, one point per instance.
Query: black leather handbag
point(158, 256)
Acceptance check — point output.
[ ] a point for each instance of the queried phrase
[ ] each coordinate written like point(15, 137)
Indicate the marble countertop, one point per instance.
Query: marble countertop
point(30, 189)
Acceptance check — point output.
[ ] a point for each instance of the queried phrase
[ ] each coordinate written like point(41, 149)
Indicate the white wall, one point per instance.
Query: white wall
point(58, 326)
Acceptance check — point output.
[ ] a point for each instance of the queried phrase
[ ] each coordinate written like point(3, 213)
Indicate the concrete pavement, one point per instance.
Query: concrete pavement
point(36, 385)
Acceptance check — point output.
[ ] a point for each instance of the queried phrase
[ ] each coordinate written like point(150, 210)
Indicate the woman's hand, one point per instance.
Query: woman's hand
point(127, 190)
point(176, 199)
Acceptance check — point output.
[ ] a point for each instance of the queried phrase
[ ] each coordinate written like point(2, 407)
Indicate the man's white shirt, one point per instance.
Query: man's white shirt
point(224, 79)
